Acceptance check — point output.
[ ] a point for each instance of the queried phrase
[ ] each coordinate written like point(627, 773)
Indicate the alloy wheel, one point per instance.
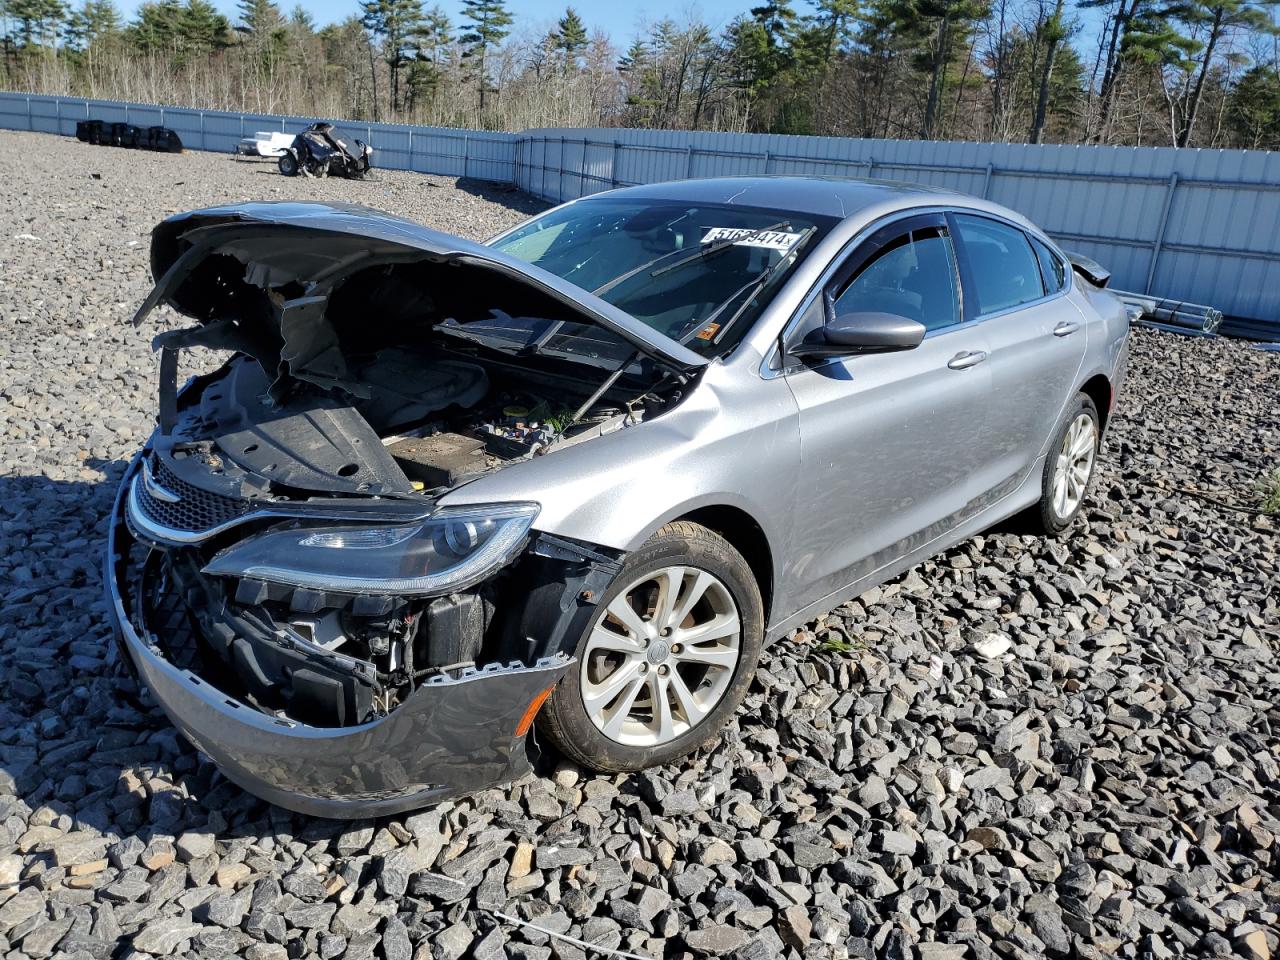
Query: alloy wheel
point(661, 656)
point(1074, 465)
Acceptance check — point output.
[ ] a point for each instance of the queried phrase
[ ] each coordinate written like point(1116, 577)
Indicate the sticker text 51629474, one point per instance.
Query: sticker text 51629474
point(770, 239)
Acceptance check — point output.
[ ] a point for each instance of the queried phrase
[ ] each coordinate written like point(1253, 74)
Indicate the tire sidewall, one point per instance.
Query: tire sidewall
point(288, 165)
point(715, 556)
point(1053, 523)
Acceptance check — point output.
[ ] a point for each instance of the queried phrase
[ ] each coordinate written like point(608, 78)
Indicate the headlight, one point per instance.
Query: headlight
point(453, 549)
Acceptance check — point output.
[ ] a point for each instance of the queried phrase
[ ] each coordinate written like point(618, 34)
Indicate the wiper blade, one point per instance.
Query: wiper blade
point(750, 288)
point(454, 329)
point(701, 253)
point(719, 246)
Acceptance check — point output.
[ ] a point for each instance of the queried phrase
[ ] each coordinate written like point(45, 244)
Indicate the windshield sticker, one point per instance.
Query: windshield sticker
point(768, 239)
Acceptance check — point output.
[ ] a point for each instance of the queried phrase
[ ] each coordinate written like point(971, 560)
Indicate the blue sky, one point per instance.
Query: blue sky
point(619, 20)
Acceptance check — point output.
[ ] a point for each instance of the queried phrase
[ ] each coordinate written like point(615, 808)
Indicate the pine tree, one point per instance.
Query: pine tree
point(570, 36)
point(183, 30)
point(1051, 33)
point(937, 30)
point(1253, 110)
point(39, 22)
point(570, 33)
point(1218, 18)
point(395, 23)
point(1140, 33)
point(488, 21)
point(430, 43)
point(832, 25)
point(636, 57)
point(203, 27)
point(262, 30)
point(93, 24)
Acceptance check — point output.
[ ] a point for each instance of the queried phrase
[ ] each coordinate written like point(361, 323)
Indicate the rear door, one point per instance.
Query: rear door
point(1015, 285)
point(889, 442)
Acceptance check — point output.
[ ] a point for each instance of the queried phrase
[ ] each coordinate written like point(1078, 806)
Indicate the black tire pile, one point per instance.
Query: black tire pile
point(107, 134)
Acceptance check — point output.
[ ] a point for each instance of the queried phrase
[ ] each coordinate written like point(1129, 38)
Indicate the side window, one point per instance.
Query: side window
point(1005, 270)
point(913, 275)
point(1052, 269)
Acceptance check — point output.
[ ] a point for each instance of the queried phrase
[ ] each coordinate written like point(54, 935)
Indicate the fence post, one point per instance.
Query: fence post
point(613, 162)
point(162, 116)
point(986, 181)
point(1159, 240)
point(410, 148)
point(871, 166)
point(30, 123)
point(560, 172)
point(582, 170)
point(768, 155)
point(203, 144)
point(57, 108)
point(466, 153)
point(542, 170)
point(688, 162)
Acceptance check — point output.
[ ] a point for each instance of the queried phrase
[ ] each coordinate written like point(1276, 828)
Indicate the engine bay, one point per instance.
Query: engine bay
point(288, 538)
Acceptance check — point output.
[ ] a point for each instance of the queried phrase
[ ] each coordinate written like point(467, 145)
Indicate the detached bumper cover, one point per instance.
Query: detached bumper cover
point(451, 736)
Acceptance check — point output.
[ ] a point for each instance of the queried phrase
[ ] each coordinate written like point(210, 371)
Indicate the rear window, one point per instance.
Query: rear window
point(1052, 270)
point(1005, 270)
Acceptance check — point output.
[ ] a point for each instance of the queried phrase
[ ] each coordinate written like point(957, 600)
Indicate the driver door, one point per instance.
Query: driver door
point(890, 442)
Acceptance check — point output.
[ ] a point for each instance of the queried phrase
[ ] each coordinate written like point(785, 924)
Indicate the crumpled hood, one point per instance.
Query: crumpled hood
point(307, 244)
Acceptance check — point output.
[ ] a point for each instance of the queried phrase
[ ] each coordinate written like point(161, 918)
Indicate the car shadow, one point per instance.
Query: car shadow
point(78, 739)
point(503, 194)
point(77, 736)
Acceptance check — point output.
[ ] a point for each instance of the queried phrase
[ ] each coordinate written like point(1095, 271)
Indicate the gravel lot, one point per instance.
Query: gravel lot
point(1021, 749)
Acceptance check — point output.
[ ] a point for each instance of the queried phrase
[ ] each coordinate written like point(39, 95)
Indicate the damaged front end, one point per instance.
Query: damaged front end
point(281, 568)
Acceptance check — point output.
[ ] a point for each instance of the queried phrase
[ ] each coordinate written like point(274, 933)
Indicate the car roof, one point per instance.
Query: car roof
point(840, 197)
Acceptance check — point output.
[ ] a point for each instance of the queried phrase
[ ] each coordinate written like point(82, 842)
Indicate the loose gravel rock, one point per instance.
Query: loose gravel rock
point(1019, 749)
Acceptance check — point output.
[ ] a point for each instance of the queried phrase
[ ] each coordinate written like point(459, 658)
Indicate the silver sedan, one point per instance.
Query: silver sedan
point(582, 473)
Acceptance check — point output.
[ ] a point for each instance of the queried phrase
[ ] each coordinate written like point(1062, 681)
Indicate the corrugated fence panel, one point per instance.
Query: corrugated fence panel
point(1197, 225)
point(450, 152)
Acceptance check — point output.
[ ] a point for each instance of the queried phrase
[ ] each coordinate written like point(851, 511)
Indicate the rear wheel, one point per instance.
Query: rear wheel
point(288, 164)
point(667, 659)
point(1069, 467)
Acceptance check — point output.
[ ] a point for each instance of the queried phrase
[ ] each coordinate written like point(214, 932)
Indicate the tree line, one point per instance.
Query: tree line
point(1144, 72)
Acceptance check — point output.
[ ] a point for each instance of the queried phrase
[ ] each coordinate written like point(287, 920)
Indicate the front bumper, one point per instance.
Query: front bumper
point(450, 736)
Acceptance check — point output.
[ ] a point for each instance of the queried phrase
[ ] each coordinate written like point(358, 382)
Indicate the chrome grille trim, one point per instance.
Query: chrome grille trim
point(165, 508)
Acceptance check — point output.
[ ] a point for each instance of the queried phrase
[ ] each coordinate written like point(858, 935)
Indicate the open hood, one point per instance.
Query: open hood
point(205, 261)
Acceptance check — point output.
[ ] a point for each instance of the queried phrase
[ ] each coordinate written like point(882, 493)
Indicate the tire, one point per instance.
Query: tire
point(660, 662)
point(288, 164)
point(1055, 512)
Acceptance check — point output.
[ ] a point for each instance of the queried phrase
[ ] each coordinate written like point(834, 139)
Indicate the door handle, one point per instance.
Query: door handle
point(967, 358)
point(1066, 328)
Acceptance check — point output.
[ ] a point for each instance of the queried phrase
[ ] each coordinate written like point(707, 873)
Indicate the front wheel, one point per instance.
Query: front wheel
point(288, 164)
point(667, 659)
point(1069, 467)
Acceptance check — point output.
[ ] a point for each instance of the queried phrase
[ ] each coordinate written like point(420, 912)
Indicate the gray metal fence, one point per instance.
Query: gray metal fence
point(398, 146)
point(1197, 225)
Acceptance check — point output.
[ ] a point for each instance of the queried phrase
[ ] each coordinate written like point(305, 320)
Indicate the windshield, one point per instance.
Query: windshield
point(696, 273)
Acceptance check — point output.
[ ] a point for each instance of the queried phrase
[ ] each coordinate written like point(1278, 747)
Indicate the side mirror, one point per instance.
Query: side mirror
point(854, 333)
